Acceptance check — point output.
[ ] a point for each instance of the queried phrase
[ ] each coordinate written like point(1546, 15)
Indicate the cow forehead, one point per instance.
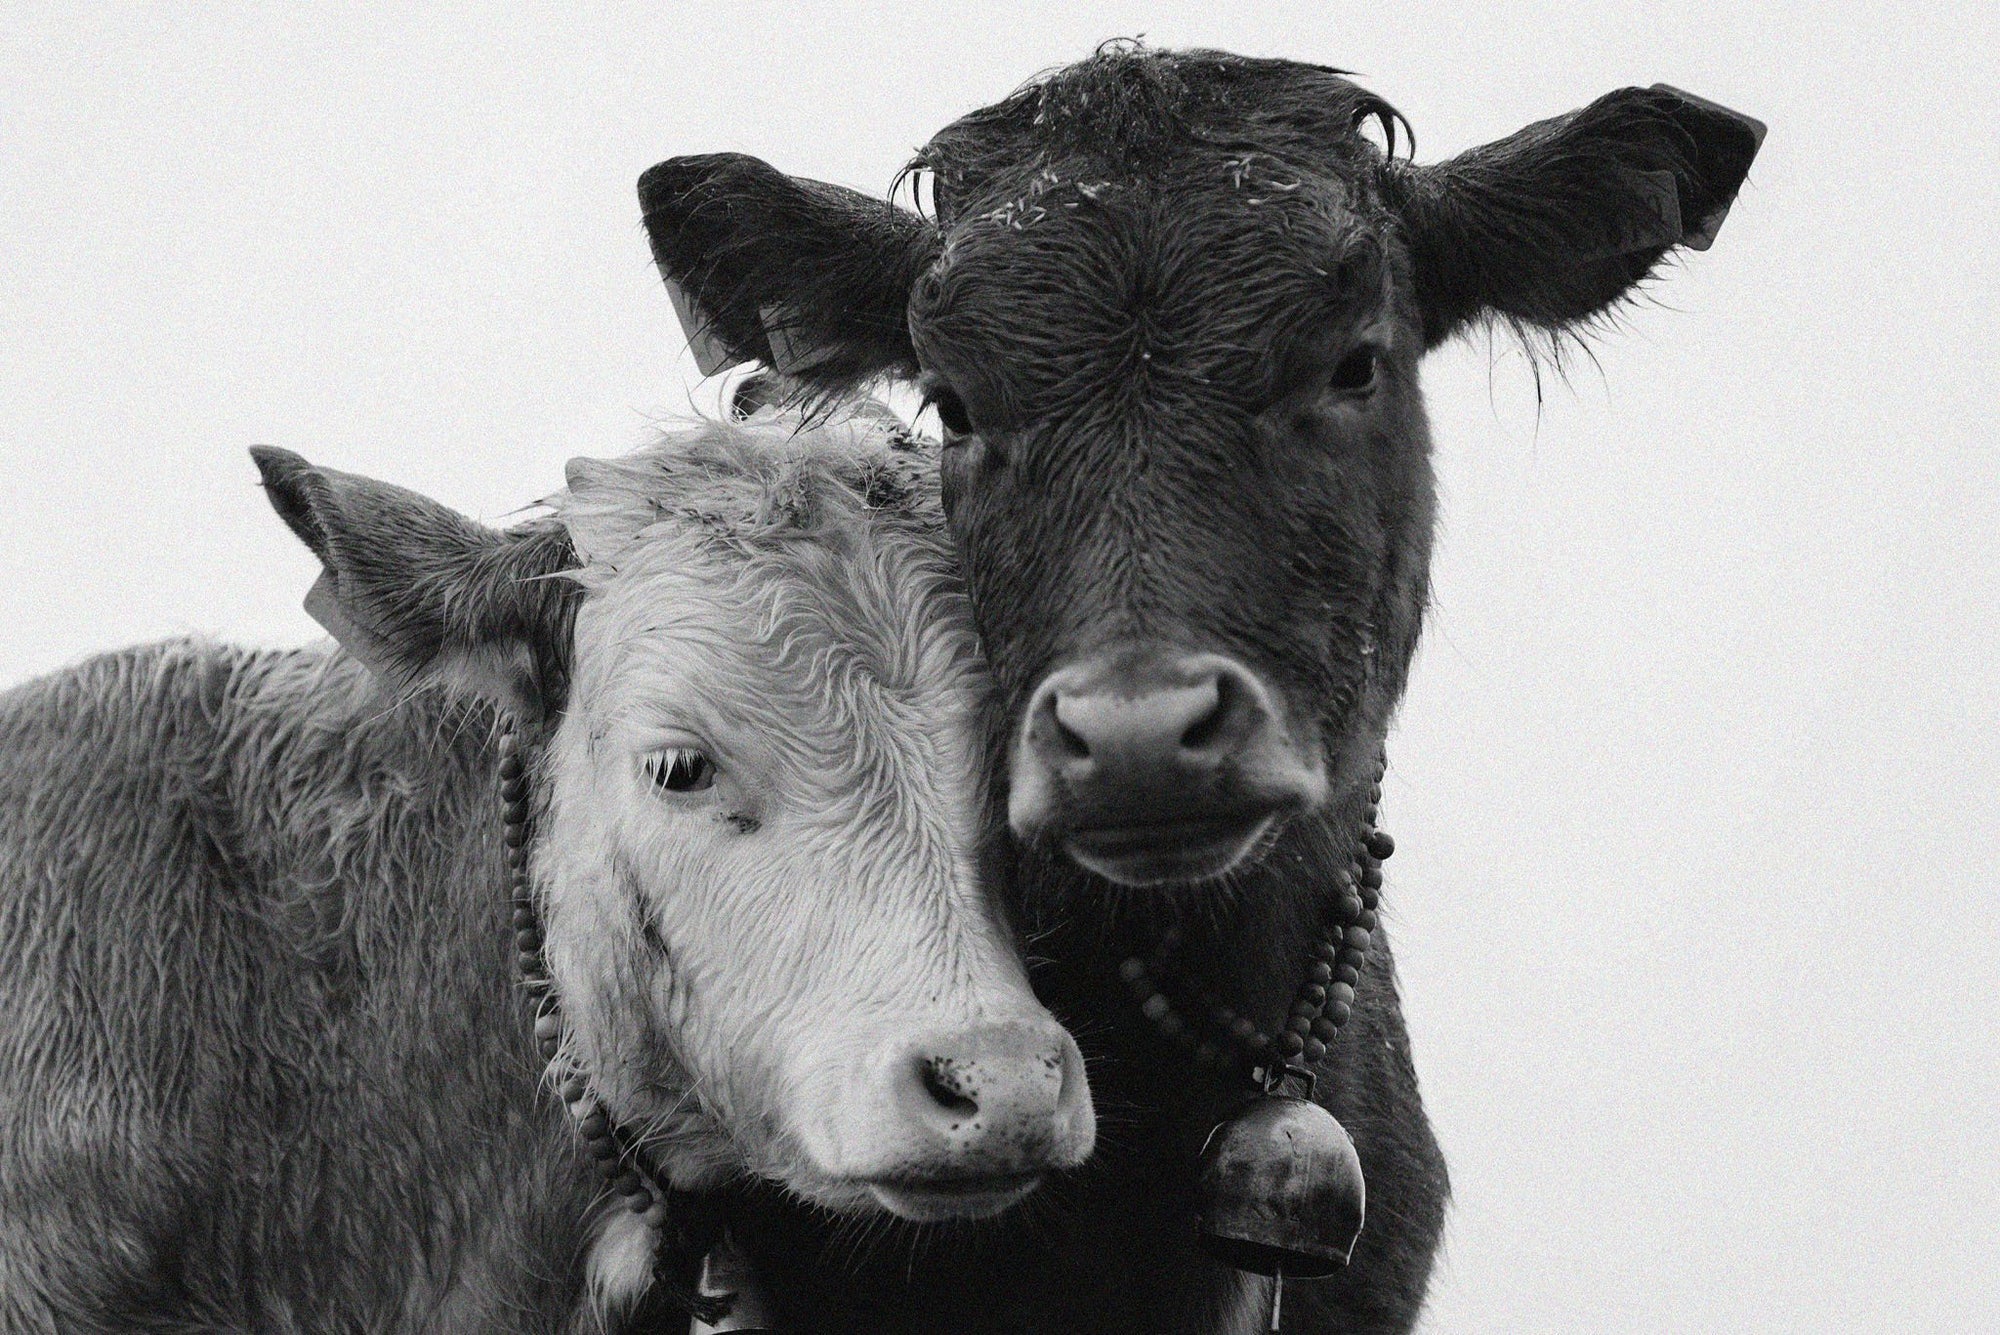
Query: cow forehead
point(1221, 279)
point(798, 580)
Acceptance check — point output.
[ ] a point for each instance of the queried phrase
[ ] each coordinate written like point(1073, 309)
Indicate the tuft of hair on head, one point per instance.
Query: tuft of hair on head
point(771, 478)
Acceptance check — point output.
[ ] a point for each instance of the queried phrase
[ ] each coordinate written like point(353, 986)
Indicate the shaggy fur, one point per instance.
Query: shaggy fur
point(1170, 309)
point(265, 1067)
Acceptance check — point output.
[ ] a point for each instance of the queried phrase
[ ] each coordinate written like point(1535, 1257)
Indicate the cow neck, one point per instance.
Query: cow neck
point(686, 1226)
point(1219, 1036)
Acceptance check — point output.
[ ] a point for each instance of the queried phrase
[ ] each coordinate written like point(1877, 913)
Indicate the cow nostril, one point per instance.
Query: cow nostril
point(1068, 741)
point(1207, 729)
point(941, 1080)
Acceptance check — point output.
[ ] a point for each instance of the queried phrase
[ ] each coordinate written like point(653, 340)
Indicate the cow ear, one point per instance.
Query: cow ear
point(812, 280)
point(1555, 223)
point(422, 595)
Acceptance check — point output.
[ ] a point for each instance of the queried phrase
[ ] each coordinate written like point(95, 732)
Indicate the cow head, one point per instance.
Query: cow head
point(750, 667)
point(1170, 309)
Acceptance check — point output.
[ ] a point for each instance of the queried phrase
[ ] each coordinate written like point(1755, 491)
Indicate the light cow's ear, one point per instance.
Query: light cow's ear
point(1557, 222)
point(422, 595)
point(812, 280)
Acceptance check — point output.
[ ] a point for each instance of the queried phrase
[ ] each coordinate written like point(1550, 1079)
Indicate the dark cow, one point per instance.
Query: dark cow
point(1169, 310)
point(264, 1065)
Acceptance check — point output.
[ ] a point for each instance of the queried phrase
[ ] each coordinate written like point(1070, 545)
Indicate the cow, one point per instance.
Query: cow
point(1169, 309)
point(265, 1062)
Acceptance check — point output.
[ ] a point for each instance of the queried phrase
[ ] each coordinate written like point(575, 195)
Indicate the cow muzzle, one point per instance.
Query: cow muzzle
point(964, 1123)
point(1149, 766)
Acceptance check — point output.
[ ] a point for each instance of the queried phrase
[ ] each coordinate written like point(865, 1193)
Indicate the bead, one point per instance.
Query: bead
point(1375, 792)
point(1132, 970)
point(1371, 879)
point(515, 835)
point(655, 1214)
point(1340, 994)
point(1326, 950)
point(1338, 1013)
point(1380, 845)
point(1315, 1051)
point(1321, 972)
point(524, 916)
point(595, 1126)
point(1348, 907)
point(1350, 974)
point(548, 1047)
point(1156, 1006)
point(1305, 1008)
point(1366, 920)
point(1170, 1024)
point(1324, 1030)
point(1290, 1044)
point(1357, 938)
point(1299, 1025)
point(1207, 1053)
point(548, 1025)
point(1313, 994)
point(1246, 1031)
point(573, 1088)
point(528, 939)
point(604, 1149)
point(1371, 896)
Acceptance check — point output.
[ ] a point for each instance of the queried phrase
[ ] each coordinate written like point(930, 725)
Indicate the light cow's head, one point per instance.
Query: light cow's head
point(1170, 310)
point(751, 667)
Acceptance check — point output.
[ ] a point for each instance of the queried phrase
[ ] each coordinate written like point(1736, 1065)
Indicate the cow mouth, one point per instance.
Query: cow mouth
point(933, 1199)
point(1162, 852)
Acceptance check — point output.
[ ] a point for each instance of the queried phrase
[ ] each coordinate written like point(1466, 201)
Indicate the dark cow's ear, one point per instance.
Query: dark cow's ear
point(1557, 222)
point(422, 595)
point(810, 279)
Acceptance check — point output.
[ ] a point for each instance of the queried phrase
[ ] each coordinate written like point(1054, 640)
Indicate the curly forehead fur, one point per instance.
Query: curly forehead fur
point(1134, 113)
point(757, 487)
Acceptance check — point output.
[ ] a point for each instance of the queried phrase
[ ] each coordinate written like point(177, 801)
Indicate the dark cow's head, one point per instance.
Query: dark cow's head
point(1170, 310)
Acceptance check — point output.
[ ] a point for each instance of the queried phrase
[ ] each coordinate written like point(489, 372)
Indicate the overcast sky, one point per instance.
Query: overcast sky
point(1695, 784)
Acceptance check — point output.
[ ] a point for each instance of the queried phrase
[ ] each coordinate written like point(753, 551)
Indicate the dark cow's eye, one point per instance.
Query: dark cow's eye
point(680, 769)
point(950, 410)
point(1356, 372)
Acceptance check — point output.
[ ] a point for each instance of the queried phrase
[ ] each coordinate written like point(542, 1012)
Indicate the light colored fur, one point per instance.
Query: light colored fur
point(264, 1067)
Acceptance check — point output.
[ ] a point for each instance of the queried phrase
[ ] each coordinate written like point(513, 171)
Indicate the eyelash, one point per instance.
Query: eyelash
point(679, 769)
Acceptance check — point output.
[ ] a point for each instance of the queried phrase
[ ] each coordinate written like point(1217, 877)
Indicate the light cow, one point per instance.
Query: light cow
point(265, 1066)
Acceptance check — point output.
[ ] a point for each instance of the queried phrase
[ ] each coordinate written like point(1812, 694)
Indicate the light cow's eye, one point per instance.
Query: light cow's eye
point(680, 769)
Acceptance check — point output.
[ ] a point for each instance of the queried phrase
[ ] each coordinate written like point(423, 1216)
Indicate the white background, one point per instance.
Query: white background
point(1695, 783)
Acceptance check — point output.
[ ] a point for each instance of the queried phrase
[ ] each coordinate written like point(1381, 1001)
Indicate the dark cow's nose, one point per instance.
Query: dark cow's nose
point(1188, 727)
point(1155, 765)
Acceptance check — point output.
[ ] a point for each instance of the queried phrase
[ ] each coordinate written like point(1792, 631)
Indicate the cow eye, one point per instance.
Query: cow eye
point(950, 410)
point(1356, 372)
point(680, 769)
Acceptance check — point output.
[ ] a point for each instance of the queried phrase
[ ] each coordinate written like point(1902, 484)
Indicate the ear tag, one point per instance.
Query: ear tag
point(1703, 236)
point(789, 356)
point(1657, 224)
point(364, 646)
point(711, 354)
